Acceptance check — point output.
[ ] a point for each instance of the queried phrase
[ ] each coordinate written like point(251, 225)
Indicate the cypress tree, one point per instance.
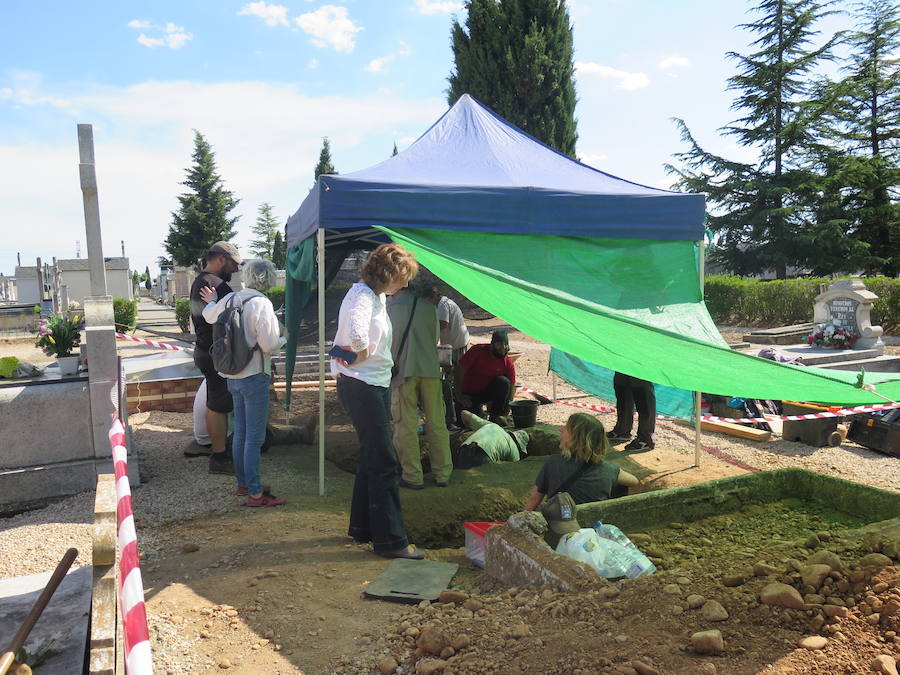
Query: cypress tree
point(325, 165)
point(279, 251)
point(148, 284)
point(202, 218)
point(264, 229)
point(515, 56)
point(864, 124)
point(761, 210)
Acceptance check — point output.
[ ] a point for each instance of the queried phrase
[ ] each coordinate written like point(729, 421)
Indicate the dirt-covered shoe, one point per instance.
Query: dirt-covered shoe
point(265, 500)
point(615, 439)
point(638, 445)
point(220, 462)
point(195, 449)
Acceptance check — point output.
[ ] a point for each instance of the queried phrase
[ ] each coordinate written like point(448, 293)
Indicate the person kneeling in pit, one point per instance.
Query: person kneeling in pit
point(486, 375)
point(580, 468)
point(490, 443)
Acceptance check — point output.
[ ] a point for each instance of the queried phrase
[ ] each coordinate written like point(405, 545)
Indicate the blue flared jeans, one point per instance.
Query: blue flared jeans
point(251, 412)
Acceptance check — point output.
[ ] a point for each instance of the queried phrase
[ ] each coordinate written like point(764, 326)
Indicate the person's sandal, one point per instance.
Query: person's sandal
point(264, 500)
point(241, 490)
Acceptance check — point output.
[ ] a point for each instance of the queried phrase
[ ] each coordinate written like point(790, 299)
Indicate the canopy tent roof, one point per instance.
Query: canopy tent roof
point(473, 170)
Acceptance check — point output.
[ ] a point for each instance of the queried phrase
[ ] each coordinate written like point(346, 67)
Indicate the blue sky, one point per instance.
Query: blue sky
point(266, 81)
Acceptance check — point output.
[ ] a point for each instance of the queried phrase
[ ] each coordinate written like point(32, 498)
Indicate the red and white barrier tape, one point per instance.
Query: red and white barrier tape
point(154, 343)
point(138, 660)
point(841, 412)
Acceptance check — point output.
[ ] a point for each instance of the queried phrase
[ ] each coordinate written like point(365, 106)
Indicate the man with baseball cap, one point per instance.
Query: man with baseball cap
point(222, 260)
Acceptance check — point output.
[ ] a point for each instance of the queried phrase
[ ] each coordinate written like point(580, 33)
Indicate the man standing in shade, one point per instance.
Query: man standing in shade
point(486, 375)
point(222, 261)
point(417, 383)
point(634, 393)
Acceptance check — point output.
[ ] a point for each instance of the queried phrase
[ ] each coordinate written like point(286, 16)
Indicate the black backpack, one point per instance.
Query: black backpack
point(230, 351)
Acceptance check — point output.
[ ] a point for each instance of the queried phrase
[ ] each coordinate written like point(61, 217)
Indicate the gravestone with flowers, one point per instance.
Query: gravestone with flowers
point(842, 315)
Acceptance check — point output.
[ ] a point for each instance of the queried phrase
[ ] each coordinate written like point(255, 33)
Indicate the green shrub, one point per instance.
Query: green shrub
point(125, 314)
point(737, 300)
point(276, 295)
point(183, 314)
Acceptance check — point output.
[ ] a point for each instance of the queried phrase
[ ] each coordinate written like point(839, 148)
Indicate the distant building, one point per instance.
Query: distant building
point(75, 275)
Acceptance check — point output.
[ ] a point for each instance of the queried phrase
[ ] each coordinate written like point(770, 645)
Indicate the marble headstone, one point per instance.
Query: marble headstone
point(848, 304)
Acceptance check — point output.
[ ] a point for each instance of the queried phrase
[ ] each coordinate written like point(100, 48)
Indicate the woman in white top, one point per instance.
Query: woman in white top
point(250, 387)
point(363, 381)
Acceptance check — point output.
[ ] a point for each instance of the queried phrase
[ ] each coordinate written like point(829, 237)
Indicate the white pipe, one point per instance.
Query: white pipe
point(320, 261)
point(698, 410)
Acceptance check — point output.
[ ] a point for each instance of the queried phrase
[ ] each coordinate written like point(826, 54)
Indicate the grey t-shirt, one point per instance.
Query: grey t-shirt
point(419, 357)
point(594, 485)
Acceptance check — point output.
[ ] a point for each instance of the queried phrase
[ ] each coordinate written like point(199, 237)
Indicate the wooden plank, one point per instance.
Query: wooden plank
point(731, 429)
point(103, 622)
point(104, 532)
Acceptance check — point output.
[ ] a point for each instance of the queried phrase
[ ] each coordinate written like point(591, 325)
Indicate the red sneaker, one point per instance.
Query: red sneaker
point(264, 500)
point(242, 490)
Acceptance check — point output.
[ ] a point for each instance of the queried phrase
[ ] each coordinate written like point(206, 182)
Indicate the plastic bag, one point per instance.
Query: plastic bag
point(608, 558)
point(638, 564)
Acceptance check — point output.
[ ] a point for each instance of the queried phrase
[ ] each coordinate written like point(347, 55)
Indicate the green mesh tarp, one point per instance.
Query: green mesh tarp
point(629, 305)
point(298, 281)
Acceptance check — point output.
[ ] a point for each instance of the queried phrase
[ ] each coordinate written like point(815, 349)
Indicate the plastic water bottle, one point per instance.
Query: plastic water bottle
point(635, 564)
point(612, 532)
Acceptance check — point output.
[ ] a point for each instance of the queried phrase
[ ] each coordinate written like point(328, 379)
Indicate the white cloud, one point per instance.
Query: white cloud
point(312, 64)
point(626, 80)
point(379, 65)
point(592, 159)
point(170, 35)
point(329, 26)
point(429, 7)
point(266, 138)
point(674, 61)
point(273, 15)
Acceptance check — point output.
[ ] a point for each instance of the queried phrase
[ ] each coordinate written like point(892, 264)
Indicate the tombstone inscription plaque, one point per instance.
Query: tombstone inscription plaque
point(848, 304)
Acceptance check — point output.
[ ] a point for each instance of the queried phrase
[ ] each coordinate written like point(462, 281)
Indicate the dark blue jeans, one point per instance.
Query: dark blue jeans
point(375, 513)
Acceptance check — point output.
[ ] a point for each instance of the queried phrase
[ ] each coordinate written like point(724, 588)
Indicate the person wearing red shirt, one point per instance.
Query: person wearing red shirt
point(486, 375)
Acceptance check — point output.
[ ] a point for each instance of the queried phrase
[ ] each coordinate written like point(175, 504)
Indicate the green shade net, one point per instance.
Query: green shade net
point(298, 283)
point(632, 305)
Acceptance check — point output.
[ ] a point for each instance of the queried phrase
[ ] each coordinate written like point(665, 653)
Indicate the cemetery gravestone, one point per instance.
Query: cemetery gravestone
point(847, 304)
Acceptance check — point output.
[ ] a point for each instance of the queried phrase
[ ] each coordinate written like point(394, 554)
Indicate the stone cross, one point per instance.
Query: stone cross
point(848, 304)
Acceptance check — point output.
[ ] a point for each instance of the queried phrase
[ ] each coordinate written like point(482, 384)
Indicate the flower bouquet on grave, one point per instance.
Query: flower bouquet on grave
point(829, 336)
point(58, 335)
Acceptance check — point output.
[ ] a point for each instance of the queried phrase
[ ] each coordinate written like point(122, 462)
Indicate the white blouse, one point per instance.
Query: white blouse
point(363, 322)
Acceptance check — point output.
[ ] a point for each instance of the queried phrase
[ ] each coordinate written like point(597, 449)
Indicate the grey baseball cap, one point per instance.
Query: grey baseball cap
point(226, 248)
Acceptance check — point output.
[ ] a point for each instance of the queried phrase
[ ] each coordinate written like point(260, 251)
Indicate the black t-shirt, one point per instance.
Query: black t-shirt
point(202, 329)
point(594, 485)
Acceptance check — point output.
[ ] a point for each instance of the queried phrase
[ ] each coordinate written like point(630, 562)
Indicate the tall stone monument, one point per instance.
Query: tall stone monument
point(847, 304)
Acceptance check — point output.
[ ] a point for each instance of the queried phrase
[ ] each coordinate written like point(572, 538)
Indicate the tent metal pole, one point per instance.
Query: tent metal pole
point(698, 409)
point(320, 260)
point(553, 384)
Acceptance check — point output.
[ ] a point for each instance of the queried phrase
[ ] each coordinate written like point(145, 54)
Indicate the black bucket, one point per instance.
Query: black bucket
point(524, 413)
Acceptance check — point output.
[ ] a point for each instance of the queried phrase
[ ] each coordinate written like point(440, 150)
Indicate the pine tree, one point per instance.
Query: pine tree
point(515, 56)
point(865, 124)
point(325, 165)
point(265, 229)
point(761, 211)
point(202, 218)
point(279, 251)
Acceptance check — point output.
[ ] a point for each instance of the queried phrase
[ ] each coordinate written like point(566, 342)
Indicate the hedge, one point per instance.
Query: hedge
point(124, 314)
point(276, 295)
point(183, 314)
point(741, 301)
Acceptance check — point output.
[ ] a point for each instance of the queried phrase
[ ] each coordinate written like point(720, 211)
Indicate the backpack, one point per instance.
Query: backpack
point(230, 351)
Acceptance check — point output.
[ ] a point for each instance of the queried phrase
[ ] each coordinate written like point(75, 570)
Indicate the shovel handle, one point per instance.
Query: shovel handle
point(37, 609)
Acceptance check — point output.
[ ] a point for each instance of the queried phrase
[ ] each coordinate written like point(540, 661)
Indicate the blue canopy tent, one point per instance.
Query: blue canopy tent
point(473, 171)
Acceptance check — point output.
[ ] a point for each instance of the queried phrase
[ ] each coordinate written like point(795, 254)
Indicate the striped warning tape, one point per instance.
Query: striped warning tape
point(833, 412)
point(138, 659)
point(154, 343)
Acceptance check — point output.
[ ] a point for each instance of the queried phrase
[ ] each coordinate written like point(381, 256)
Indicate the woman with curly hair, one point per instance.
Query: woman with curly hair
point(582, 448)
point(363, 374)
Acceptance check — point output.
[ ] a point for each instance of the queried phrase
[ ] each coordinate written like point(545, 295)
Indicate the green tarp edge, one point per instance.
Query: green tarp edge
point(607, 337)
point(298, 282)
